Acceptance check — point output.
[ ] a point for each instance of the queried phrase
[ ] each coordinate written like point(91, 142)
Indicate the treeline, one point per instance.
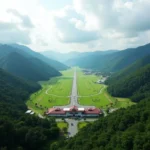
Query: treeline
point(126, 129)
point(17, 129)
point(136, 85)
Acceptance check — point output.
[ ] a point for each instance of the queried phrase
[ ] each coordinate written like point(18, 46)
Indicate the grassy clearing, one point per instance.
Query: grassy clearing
point(123, 102)
point(82, 124)
point(54, 92)
point(87, 87)
point(62, 125)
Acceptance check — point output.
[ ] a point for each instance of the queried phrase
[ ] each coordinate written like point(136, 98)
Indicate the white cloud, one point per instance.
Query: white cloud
point(84, 25)
point(25, 20)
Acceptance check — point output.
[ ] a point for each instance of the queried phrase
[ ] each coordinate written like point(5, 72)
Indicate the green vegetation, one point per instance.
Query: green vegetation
point(18, 130)
point(28, 68)
point(62, 125)
point(97, 93)
point(136, 85)
point(110, 62)
point(125, 129)
point(82, 124)
point(54, 92)
point(26, 51)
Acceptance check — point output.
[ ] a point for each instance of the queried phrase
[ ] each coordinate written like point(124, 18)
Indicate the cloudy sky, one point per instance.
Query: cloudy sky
point(75, 25)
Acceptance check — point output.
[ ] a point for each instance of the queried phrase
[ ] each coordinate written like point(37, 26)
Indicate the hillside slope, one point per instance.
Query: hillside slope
point(130, 69)
point(13, 88)
point(111, 62)
point(20, 131)
point(136, 85)
point(28, 68)
point(53, 63)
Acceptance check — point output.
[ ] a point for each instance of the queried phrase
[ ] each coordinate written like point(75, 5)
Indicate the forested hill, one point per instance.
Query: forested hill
point(13, 89)
point(50, 61)
point(20, 131)
point(129, 69)
point(28, 68)
point(136, 85)
point(111, 62)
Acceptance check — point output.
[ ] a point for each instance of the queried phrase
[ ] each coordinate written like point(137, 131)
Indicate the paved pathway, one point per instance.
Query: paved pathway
point(73, 124)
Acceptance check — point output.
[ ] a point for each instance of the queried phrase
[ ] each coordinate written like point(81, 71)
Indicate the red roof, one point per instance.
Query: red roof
point(55, 111)
point(92, 111)
point(74, 108)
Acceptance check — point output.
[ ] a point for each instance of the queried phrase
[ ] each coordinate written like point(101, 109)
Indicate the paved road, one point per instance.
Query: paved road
point(73, 125)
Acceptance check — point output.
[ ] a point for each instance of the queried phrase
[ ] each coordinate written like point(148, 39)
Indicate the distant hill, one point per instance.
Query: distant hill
point(62, 57)
point(53, 63)
point(65, 57)
point(29, 68)
point(130, 69)
point(111, 62)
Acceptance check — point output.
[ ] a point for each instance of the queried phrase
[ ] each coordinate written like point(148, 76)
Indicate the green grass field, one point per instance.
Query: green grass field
point(54, 92)
point(95, 94)
point(62, 125)
point(82, 124)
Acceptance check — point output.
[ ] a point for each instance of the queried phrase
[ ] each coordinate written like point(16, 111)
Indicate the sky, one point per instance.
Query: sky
point(75, 25)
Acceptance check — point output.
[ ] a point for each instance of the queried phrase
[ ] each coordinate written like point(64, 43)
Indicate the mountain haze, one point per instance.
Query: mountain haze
point(65, 57)
point(28, 68)
point(111, 62)
point(53, 63)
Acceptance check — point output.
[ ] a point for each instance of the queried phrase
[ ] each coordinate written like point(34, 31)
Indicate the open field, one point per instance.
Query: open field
point(82, 124)
point(91, 93)
point(57, 90)
point(62, 125)
point(54, 92)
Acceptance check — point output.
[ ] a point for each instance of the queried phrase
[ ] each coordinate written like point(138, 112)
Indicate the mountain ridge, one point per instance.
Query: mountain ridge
point(26, 68)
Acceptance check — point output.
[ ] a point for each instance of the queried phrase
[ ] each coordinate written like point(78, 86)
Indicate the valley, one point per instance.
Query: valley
point(57, 91)
point(54, 92)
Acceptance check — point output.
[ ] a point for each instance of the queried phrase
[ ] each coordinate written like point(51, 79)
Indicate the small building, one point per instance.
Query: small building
point(28, 111)
point(74, 111)
point(32, 113)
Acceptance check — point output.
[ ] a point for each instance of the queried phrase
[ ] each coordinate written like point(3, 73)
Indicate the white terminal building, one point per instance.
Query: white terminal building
point(74, 111)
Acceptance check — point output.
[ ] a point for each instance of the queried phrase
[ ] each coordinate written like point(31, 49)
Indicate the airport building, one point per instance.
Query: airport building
point(74, 111)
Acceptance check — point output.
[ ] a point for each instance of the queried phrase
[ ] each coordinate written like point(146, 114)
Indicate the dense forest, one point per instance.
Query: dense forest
point(50, 61)
point(128, 70)
point(136, 85)
point(17, 129)
point(28, 68)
